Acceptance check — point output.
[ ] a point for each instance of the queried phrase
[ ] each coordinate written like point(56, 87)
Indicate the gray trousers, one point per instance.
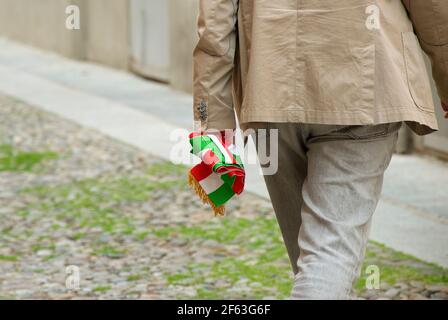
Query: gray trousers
point(324, 193)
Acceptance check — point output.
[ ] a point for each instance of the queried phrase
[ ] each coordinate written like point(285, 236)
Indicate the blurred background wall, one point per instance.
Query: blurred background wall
point(103, 36)
point(135, 35)
point(153, 38)
point(183, 16)
point(106, 31)
point(39, 23)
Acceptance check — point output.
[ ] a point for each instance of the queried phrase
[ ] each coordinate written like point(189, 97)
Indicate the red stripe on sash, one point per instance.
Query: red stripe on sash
point(201, 171)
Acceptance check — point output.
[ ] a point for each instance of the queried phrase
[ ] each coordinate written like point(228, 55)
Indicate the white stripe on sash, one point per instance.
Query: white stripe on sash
point(223, 150)
point(211, 183)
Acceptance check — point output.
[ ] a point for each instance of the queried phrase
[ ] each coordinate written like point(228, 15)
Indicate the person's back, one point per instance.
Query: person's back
point(337, 79)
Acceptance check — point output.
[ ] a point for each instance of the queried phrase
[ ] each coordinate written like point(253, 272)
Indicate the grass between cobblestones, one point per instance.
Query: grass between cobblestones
point(263, 266)
point(259, 260)
point(19, 161)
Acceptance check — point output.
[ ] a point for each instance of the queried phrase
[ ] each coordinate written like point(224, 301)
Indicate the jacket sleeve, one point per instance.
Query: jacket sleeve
point(430, 20)
point(213, 62)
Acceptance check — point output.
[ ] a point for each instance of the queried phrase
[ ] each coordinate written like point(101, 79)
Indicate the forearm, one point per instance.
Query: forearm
point(213, 61)
point(430, 20)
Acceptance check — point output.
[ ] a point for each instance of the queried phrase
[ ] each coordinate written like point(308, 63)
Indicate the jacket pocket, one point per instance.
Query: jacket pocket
point(416, 73)
point(372, 131)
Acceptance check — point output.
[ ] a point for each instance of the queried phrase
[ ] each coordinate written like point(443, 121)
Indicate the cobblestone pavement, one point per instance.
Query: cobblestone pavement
point(70, 196)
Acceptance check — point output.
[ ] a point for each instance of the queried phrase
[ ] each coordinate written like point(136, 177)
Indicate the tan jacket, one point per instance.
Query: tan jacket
point(319, 61)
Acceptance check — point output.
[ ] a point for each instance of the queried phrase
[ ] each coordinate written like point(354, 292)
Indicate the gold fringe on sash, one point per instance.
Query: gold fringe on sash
point(219, 211)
